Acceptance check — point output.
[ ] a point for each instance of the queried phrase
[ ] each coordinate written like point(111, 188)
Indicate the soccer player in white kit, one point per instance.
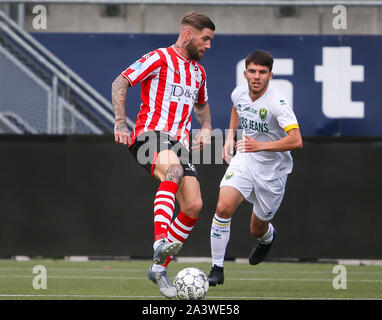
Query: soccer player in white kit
point(258, 171)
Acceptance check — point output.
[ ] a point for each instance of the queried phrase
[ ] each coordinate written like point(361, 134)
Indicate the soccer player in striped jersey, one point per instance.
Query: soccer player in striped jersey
point(173, 85)
point(259, 170)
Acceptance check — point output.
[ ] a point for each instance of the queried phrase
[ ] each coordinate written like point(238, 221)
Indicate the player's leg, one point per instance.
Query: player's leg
point(170, 172)
point(260, 229)
point(235, 186)
point(265, 233)
point(190, 203)
point(190, 200)
point(269, 195)
point(228, 201)
point(153, 151)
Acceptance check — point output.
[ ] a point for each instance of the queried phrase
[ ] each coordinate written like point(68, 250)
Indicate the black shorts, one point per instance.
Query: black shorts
point(147, 146)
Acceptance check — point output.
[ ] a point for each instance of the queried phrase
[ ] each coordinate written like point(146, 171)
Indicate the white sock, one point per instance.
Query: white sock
point(268, 236)
point(220, 233)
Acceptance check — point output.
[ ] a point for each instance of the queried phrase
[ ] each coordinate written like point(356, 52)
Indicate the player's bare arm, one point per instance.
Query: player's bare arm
point(203, 115)
point(118, 96)
point(292, 141)
point(229, 145)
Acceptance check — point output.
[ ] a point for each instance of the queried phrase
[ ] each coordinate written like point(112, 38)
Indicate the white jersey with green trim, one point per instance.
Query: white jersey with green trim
point(265, 119)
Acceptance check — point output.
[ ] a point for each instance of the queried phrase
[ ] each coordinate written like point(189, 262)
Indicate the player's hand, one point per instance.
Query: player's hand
point(227, 152)
point(202, 138)
point(248, 144)
point(121, 133)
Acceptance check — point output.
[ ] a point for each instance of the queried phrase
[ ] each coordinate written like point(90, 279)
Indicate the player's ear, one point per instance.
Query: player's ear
point(189, 34)
point(270, 75)
point(186, 31)
point(245, 74)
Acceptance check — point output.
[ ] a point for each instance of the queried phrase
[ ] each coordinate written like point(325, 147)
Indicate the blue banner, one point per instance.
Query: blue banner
point(332, 81)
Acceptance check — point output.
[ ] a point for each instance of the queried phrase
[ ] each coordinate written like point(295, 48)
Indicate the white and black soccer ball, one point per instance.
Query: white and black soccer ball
point(191, 284)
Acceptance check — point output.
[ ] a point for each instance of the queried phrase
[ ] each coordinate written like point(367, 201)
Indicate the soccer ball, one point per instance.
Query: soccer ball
point(191, 284)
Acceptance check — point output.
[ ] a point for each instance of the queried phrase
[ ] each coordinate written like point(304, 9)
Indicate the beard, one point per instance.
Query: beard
point(193, 51)
point(257, 91)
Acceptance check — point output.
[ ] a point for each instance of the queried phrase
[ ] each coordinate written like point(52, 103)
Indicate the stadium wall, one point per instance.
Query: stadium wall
point(86, 195)
point(238, 19)
point(331, 81)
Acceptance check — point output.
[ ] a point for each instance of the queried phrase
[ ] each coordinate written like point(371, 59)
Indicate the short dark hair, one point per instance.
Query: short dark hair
point(198, 21)
point(263, 58)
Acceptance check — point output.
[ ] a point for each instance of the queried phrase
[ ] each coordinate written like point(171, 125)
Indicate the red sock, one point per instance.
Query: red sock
point(164, 205)
point(179, 230)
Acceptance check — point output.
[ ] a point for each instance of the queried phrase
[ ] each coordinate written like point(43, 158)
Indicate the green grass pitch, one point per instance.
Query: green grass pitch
point(112, 280)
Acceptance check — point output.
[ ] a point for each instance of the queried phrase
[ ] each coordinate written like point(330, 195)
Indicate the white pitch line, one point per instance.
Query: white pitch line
point(76, 277)
point(249, 272)
point(17, 269)
point(144, 278)
point(302, 280)
point(72, 296)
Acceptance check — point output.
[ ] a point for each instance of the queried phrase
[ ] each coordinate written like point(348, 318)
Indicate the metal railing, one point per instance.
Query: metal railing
point(64, 83)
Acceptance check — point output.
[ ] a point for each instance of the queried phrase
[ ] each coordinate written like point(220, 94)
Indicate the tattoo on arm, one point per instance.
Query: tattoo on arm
point(118, 97)
point(121, 127)
point(174, 173)
point(203, 115)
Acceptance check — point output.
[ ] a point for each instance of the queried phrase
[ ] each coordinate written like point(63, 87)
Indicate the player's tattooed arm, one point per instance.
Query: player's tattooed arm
point(203, 115)
point(118, 96)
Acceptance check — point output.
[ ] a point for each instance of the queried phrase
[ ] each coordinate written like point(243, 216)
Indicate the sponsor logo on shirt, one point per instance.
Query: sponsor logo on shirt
point(136, 65)
point(253, 125)
point(250, 109)
point(185, 94)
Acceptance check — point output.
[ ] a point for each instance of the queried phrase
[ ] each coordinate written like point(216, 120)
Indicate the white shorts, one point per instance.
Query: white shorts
point(265, 195)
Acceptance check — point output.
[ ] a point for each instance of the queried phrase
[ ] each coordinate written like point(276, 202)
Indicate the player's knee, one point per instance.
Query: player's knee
point(258, 230)
point(254, 231)
point(193, 208)
point(174, 173)
point(224, 209)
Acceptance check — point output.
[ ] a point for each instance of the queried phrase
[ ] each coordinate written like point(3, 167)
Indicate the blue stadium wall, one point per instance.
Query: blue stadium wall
point(85, 195)
point(99, 58)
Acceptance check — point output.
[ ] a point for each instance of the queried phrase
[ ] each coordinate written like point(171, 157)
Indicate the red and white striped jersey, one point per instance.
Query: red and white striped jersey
point(170, 86)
